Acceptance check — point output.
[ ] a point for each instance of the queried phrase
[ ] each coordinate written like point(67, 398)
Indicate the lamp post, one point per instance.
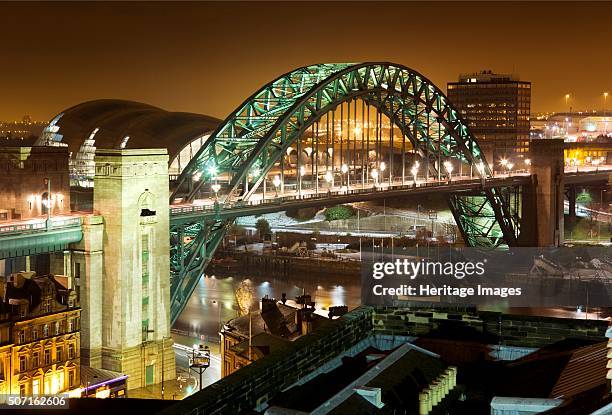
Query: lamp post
point(47, 181)
point(383, 167)
point(605, 94)
point(528, 164)
point(344, 169)
point(328, 178)
point(302, 174)
point(199, 360)
point(374, 174)
point(215, 188)
point(448, 166)
point(276, 182)
point(415, 170)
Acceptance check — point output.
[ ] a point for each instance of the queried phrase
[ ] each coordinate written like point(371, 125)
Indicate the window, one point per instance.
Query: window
point(35, 333)
point(22, 363)
point(35, 360)
point(71, 351)
point(46, 308)
point(57, 328)
point(71, 379)
point(21, 337)
point(47, 357)
point(22, 389)
point(71, 325)
point(58, 354)
point(35, 387)
point(46, 330)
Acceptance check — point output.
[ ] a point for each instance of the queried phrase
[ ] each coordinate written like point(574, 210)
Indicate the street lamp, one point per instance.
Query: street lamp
point(509, 166)
point(199, 360)
point(374, 174)
point(383, 167)
point(605, 94)
point(344, 169)
point(415, 170)
point(276, 182)
point(528, 163)
point(448, 166)
point(328, 178)
point(215, 188)
point(302, 174)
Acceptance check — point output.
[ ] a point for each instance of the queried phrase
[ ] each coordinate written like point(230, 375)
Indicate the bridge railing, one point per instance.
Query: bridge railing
point(396, 185)
point(38, 226)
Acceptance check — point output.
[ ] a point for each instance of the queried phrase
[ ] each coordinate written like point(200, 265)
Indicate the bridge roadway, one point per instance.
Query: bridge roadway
point(30, 237)
point(256, 205)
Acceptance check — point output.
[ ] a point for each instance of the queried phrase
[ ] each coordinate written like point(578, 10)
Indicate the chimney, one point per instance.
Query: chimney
point(267, 304)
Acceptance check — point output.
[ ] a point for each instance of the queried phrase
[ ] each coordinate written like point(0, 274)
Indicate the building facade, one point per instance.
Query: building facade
point(496, 108)
point(40, 335)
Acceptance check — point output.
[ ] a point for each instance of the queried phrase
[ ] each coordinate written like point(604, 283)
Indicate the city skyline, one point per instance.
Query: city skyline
point(193, 57)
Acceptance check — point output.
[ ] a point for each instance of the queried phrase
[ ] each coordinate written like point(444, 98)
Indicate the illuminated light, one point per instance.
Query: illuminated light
point(196, 177)
point(302, 170)
point(289, 150)
point(276, 181)
point(329, 176)
point(308, 151)
point(256, 172)
point(528, 162)
point(374, 174)
point(330, 151)
point(357, 130)
point(383, 166)
point(503, 162)
point(124, 141)
point(448, 166)
point(510, 165)
point(344, 168)
point(216, 188)
point(212, 170)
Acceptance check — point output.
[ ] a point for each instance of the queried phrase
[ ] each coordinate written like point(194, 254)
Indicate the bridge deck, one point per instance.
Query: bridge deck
point(31, 237)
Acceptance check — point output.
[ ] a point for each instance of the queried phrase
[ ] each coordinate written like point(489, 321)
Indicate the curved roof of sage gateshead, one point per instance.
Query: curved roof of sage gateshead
point(125, 124)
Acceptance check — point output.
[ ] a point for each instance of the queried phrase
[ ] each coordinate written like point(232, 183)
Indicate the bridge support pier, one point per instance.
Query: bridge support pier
point(542, 203)
point(131, 193)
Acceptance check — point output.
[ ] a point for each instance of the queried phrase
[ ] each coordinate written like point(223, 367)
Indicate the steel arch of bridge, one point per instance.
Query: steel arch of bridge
point(249, 142)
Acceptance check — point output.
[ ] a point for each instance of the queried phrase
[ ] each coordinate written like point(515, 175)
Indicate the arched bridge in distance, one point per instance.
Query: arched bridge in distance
point(328, 134)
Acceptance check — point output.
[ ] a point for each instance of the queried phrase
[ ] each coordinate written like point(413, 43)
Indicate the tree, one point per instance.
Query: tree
point(339, 212)
point(263, 227)
point(584, 197)
point(244, 297)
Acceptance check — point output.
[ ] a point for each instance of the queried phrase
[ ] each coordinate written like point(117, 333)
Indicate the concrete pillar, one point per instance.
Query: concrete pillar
point(86, 257)
point(542, 220)
point(131, 193)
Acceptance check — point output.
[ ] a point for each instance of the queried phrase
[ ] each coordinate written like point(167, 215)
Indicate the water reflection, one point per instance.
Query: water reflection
point(213, 302)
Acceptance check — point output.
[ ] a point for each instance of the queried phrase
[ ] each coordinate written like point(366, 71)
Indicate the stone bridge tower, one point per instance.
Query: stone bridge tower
point(131, 194)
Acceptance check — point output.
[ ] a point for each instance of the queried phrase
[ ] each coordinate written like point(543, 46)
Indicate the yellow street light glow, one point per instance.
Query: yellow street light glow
point(344, 168)
point(383, 166)
point(302, 170)
point(374, 174)
point(328, 176)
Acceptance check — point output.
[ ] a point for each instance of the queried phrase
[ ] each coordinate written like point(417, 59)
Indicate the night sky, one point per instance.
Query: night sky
point(208, 57)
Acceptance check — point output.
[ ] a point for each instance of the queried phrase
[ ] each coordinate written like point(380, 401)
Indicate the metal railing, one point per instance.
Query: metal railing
point(38, 226)
point(339, 191)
